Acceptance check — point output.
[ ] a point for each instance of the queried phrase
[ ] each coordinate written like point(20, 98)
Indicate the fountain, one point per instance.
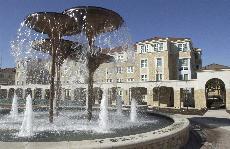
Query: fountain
point(99, 129)
point(14, 107)
point(133, 112)
point(103, 115)
point(68, 49)
point(55, 25)
point(95, 21)
point(26, 129)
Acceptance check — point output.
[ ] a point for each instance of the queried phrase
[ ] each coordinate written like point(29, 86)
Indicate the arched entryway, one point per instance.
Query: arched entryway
point(215, 94)
point(164, 95)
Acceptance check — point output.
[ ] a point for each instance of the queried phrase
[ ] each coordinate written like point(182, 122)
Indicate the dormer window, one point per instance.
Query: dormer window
point(182, 47)
point(144, 48)
point(158, 47)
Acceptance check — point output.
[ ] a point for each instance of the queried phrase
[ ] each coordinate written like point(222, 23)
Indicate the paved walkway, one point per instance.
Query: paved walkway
point(215, 130)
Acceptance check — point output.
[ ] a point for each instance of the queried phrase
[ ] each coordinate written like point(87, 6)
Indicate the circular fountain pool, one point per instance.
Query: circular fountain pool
point(71, 125)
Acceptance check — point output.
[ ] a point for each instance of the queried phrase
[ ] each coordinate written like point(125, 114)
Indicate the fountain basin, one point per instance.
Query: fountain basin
point(172, 135)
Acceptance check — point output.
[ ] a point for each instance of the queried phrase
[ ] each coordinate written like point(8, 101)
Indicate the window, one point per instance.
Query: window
point(143, 77)
point(158, 47)
point(67, 93)
point(144, 63)
point(182, 47)
point(144, 48)
point(183, 64)
point(119, 80)
point(185, 76)
point(109, 80)
point(120, 93)
point(185, 48)
point(159, 62)
point(130, 79)
point(130, 69)
point(155, 47)
point(119, 69)
point(158, 77)
point(120, 57)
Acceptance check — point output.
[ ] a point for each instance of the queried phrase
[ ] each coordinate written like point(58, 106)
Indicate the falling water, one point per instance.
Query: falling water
point(133, 113)
point(26, 129)
point(14, 107)
point(103, 115)
point(119, 105)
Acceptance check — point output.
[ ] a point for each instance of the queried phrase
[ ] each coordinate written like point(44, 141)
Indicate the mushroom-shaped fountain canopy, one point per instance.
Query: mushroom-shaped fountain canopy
point(52, 23)
point(67, 49)
point(95, 20)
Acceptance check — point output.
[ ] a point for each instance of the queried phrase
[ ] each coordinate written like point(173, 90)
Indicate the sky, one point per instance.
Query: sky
point(206, 22)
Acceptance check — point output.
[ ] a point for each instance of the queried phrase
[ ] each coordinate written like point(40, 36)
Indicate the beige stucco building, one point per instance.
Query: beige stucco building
point(162, 72)
point(7, 76)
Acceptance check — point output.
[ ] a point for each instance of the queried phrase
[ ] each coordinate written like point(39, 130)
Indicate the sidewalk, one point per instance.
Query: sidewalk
point(215, 129)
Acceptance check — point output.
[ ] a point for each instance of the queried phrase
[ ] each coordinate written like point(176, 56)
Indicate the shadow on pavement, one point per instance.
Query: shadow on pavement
point(211, 122)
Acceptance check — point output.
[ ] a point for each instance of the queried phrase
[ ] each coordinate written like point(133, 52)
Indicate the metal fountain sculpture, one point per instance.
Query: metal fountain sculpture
point(68, 49)
point(90, 20)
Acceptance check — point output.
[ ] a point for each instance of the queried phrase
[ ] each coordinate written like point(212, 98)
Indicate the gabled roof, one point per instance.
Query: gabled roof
point(214, 67)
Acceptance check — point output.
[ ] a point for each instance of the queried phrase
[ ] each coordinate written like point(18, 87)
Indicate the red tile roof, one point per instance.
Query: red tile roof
point(214, 67)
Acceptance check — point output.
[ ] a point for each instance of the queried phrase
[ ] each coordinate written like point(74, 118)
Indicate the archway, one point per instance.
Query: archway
point(215, 94)
point(11, 93)
point(164, 95)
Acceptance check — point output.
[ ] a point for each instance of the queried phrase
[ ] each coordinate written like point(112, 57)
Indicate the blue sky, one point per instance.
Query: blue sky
point(207, 22)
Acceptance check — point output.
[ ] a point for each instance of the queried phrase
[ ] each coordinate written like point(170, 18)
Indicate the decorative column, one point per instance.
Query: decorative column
point(23, 93)
point(200, 99)
point(43, 93)
point(228, 99)
point(72, 94)
point(177, 102)
point(33, 93)
point(150, 97)
point(7, 95)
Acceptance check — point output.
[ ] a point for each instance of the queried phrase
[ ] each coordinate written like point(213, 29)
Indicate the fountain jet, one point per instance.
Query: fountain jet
point(55, 25)
point(133, 112)
point(119, 105)
point(14, 107)
point(26, 129)
point(103, 115)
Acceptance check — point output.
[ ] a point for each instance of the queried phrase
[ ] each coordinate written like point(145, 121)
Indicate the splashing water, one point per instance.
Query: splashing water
point(119, 105)
point(14, 108)
point(26, 129)
point(103, 115)
point(133, 112)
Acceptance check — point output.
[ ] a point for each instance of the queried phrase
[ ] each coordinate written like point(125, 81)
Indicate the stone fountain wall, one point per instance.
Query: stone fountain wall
point(173, 136)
